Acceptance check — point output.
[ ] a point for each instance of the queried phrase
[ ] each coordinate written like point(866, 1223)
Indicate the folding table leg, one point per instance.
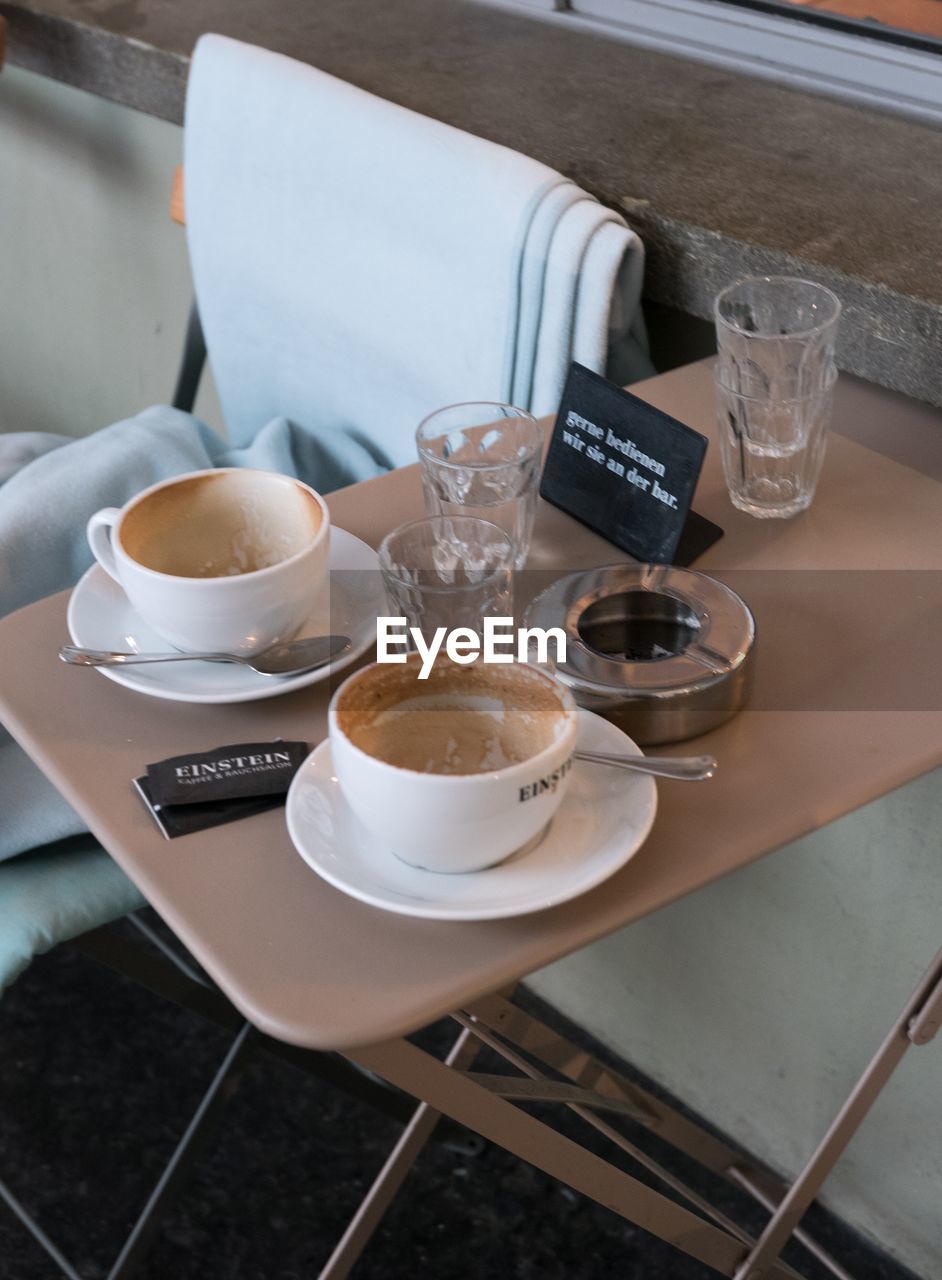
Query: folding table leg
point(458, 1096)
point(549, 1047)
point(393, 1173)
point(916, 1024)
point(543, 1043)
point(584, 1107)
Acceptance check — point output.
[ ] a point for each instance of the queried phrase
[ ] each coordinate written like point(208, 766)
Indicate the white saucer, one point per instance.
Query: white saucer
point(603, 820)
point(101, 617)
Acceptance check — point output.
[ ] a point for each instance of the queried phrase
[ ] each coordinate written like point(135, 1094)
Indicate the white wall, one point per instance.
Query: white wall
point(94, 282)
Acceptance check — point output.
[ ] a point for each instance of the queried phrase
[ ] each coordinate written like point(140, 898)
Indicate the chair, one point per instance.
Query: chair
point(493, 275)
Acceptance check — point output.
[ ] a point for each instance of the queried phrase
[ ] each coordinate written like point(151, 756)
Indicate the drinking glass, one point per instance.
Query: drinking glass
point(772, 450)
point(774, 379)
point(775, 336)
point(448, 571)
point(483, 459)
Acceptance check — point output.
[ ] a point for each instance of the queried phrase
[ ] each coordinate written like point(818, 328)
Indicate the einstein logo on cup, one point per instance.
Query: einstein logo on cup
point(549, 783)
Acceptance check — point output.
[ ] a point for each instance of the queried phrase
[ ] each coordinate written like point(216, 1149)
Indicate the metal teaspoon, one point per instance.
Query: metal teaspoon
point(291, 658)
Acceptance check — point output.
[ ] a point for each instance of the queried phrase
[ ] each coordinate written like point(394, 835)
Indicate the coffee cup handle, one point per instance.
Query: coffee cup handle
point(98, 532)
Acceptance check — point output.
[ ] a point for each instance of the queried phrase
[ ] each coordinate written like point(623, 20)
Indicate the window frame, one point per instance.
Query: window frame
point(831, 57)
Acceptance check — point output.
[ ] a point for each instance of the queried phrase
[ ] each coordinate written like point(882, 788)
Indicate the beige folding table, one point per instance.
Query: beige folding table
point(310, 967)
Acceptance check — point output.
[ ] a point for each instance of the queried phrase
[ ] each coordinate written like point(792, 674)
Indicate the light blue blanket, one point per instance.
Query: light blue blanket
point(357, 264)
point(50, 485)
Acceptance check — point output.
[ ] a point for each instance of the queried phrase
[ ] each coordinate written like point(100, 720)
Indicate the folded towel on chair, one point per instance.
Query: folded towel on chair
point(46, 502)
point(57, 483)
point(424, 265)
point(49, 486)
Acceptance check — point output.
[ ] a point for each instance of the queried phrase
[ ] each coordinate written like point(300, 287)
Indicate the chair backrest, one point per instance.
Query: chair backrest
point(177, 204)
point(358, 265)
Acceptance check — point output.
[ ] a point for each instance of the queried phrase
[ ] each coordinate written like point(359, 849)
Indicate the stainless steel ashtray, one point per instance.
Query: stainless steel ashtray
point(665, 653)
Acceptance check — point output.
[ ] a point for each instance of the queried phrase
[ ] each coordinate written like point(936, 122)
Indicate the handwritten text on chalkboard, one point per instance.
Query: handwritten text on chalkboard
point(626, 469)
point(628, 448)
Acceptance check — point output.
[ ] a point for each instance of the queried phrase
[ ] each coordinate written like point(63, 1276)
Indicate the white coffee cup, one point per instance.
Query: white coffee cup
point(461, 820)
point(228, 560)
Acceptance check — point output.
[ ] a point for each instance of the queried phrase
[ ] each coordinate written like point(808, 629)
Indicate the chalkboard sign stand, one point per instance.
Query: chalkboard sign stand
point(628, 471)
point(697, 536)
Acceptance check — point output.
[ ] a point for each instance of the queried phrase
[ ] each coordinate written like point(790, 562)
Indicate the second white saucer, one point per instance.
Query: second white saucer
point(100, 616)
point(603, 820)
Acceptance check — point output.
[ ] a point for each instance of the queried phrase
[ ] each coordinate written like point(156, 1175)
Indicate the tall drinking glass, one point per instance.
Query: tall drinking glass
point(774, 378)
point(775, 336)
point(448, 571)
point(483, 459)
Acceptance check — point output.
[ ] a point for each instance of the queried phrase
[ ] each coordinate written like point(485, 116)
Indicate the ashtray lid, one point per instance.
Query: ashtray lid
point(645, 629)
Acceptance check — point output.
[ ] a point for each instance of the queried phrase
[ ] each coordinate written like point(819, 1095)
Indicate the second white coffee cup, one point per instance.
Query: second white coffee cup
point(228, 560)
point(453, 820)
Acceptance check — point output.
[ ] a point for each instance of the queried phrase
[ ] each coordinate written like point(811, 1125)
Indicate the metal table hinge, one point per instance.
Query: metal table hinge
point(924, 1024)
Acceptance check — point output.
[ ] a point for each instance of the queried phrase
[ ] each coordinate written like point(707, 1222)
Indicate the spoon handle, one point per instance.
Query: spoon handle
point(682, 768)
point(79, 657)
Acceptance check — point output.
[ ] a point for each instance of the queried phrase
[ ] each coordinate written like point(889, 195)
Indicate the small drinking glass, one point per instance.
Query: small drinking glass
point(772, 450)
point(448, 571)
point(483, 459)
point(775, 336)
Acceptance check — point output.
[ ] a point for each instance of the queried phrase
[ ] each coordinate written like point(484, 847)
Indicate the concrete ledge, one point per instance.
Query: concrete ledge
point(722, 174)
point(106, 63)
point(887, 337)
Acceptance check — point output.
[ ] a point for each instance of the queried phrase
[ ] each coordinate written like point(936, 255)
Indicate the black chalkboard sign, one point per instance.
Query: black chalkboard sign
point(626, 470)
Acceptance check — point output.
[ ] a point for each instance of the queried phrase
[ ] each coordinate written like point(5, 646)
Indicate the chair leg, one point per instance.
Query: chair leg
point(188, 1151)
point(191, 363)
point(178, 961)
point(108, 947)
point(36, 1231)
point(173, 978)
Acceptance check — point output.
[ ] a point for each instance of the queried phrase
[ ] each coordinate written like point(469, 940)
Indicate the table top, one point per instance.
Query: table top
point(836, 720)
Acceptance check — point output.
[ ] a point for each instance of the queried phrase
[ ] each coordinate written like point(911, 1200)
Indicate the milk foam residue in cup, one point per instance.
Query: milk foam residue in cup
point(498, 721)
point(221, 524)
point(454, 734)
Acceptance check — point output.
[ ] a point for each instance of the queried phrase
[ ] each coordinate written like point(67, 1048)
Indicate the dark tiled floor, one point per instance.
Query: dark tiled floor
point(98, 1078)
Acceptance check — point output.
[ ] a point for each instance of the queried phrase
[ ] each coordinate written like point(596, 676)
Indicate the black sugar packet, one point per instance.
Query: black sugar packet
point(206, 789)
